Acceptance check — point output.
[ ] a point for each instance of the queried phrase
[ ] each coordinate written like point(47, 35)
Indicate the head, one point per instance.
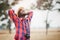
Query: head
point(21, 12)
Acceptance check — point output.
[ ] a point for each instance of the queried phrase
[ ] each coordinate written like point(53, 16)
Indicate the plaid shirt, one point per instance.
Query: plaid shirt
point(21, 25)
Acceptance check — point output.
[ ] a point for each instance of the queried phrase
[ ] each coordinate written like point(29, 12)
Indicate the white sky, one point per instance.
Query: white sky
point(39, 17)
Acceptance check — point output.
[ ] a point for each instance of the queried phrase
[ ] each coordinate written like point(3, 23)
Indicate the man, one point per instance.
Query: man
point(21, 23)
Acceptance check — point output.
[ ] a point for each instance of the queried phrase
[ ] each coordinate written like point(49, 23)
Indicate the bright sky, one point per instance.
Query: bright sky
point(39, 18)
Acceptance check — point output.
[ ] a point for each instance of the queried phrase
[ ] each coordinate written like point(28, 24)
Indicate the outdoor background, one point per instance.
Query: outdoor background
point(45, 24)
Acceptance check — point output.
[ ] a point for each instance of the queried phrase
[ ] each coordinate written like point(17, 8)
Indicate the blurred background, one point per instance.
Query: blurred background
point(45, 24)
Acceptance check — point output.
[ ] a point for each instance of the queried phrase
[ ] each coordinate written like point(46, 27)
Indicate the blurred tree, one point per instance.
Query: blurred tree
point(15, 2)
point(58, 3)
point(45, 5)
point(9, 26)
point(4, 5)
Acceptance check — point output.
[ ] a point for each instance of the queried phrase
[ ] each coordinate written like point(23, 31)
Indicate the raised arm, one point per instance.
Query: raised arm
point(30, 16)
point(12, 15)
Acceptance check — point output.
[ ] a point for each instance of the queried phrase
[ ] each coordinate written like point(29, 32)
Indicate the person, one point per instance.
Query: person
point(22, 23)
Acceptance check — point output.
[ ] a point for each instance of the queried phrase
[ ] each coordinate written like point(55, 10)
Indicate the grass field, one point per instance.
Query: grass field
point(40, 34)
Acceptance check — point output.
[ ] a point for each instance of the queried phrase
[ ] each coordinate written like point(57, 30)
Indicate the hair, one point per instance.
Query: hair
point(19, 14)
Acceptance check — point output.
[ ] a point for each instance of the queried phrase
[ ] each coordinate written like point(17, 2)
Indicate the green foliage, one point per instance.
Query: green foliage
point(58, 2)
point(4, 6)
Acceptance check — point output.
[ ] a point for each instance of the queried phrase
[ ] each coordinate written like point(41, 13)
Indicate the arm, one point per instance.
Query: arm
point(30, 14)
point(12, 15)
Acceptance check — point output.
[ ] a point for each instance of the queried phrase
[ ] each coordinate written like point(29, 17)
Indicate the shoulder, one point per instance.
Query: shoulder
point(30, 12)
point(11, 10)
